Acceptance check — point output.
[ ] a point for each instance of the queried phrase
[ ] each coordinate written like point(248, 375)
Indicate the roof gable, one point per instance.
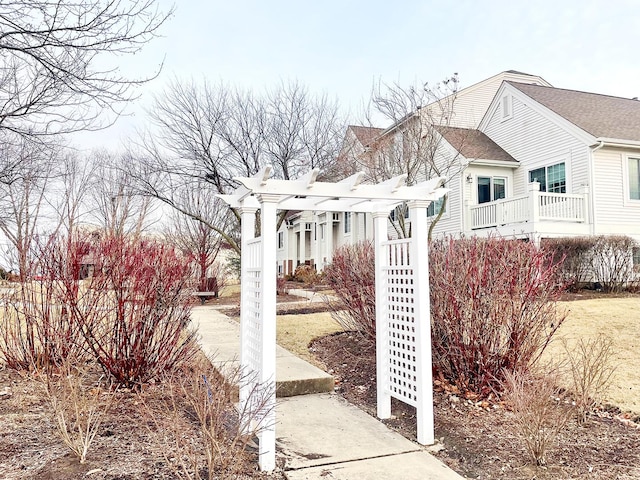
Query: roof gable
point(602, 116)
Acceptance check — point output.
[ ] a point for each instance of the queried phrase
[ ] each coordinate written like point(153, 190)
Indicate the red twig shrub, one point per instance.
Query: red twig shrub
point(140, 295)
point(493, 309)
point(351, 275)
point(130, 314)
point(37, 326)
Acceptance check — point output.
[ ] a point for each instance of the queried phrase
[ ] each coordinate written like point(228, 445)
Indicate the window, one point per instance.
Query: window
point(636, 258)
point(347, 222)
point(507, 107)
point(434, 207)
point(552, 179)
point(280, 239)
point(634, 178)
point(491, 189)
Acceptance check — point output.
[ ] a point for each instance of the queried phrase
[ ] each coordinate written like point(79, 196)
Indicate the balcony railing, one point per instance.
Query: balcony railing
point(534, 207)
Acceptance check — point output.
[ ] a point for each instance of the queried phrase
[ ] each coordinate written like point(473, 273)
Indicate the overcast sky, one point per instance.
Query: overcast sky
point(341, 47)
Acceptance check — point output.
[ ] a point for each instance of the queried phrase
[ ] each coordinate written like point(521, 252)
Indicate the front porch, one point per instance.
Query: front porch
point(536, 213)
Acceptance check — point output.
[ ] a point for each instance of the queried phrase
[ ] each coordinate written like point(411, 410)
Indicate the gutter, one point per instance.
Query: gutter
point(615, 142)
point(592, 199)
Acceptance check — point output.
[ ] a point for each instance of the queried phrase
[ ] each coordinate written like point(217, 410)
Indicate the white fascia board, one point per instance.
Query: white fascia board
point(553, 117)
point(493, 163)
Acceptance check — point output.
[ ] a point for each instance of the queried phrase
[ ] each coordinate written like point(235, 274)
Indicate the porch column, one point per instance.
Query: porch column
point(584, 191)
point(267, 380)
point(383, 396)
point(419, 260)
point(328, 234)
point(303, 243)
point(534, 203)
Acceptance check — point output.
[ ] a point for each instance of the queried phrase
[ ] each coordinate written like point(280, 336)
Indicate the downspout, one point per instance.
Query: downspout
point(592, 199)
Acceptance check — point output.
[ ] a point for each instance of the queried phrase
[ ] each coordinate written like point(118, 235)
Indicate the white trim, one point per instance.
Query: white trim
point(616, 142)
point(478, 162)
point(506, 107)
point(626, 191)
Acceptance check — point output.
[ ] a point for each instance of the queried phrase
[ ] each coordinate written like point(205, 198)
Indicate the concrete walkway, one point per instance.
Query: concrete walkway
point(321, 436)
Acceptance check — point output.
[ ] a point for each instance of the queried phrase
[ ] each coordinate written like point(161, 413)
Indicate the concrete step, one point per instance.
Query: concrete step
point(220, 340)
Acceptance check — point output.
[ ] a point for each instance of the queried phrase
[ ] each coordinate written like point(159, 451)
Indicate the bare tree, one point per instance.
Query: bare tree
point(116, 206)
point(411, 146)
point(22, 197)
point(196, 238)
point(56, 75)
point(76, 175)
point(213, 134)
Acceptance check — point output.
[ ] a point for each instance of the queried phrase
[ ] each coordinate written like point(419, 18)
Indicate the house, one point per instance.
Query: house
point(523, 160)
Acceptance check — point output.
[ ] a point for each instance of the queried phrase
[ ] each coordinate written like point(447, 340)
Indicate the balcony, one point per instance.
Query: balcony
point(536, 212)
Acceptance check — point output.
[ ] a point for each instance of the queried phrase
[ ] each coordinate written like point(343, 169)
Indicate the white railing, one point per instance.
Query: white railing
point(563, 207)
point(534, 207)
point(500, 212)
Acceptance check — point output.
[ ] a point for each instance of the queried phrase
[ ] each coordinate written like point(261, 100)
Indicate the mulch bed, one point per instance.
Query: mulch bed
point(477, 438)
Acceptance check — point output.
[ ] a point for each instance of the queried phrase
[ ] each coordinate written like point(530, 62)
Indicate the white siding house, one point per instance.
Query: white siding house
point(533, 161)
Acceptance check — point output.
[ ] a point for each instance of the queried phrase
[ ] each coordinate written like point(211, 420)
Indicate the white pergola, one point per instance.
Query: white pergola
point(403, 330)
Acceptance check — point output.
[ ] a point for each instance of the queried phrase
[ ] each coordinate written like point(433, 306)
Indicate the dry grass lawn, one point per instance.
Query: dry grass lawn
point(618, 318)
point(295, 332)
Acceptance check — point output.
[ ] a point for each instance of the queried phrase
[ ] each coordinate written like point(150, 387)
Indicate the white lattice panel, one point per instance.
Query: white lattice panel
point(400, 323)
point(252, 345)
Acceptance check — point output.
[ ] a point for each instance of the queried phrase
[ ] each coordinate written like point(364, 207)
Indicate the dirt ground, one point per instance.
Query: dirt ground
point(130, 444)
point(478, 439)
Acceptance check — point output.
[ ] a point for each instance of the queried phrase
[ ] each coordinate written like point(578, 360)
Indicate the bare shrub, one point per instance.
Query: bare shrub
point(493, 309)
point(590, 370)
point(612, 262)
point(202, 396)
point(306, 274)
point(574, 254)
point(540, 409)
point(79, 405)
point(281, 285)
point(351, 275)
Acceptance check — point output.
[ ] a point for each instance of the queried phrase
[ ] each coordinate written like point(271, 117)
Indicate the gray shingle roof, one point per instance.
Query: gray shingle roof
point(365, 134)
point(474, 144)
point(600, 115)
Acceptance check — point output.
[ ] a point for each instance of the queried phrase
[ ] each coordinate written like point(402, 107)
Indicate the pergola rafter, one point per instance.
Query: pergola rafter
point(403, 332)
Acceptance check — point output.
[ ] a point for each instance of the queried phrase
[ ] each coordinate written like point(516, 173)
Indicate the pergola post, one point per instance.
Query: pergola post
point(247, 232)
point(267, 373)
point(419, 259)
point(382, 339)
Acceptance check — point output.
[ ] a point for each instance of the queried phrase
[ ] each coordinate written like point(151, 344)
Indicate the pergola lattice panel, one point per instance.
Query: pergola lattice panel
point(251, 287)
point(399, 322)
